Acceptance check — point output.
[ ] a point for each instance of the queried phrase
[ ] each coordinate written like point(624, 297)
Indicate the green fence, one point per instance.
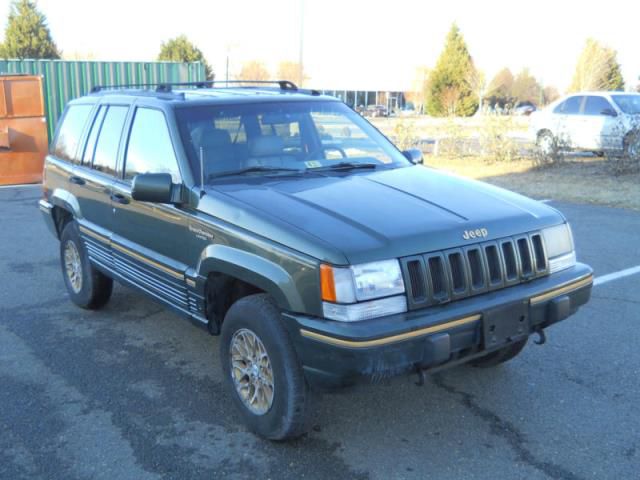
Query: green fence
point(65, 80)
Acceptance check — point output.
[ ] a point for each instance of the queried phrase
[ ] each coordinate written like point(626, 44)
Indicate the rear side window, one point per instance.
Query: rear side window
point(571, 106)
point(90, 148)
point(150, 149)
point(106, 153)
point(596, 105)
point(66, 146)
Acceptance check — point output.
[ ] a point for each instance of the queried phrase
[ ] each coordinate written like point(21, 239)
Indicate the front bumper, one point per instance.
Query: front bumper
point(334, 353)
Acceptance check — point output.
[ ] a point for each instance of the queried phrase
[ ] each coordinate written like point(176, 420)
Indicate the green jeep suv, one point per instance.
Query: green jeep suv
point(283, 221)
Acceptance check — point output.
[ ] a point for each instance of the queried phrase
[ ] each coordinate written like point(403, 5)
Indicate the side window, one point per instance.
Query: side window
point(68, 138)
point(596, 105)
point(150, 149)
point(560, 107)
point(105, 156)
point(572, 106)
point(90, 148)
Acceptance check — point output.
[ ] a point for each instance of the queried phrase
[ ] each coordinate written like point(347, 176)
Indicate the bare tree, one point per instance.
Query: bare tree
point(450, 100)
point(597, 69)
point(288, 70)
point(419, 86)
point(253, 70)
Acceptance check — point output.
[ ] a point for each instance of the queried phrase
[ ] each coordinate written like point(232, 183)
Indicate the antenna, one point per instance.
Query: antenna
point(201, 172)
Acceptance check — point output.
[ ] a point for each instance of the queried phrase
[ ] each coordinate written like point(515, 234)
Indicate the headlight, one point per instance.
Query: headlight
point(362, 283)
point(558, 242)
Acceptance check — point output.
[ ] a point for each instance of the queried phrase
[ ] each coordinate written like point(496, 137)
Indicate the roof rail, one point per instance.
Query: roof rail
point(168, 86)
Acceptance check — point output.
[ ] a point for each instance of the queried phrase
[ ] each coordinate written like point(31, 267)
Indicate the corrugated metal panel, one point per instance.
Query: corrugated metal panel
point(65, 80)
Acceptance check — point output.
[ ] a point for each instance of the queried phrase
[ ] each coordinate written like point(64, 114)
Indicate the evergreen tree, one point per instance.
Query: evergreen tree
point(27, 34)
point(450, 90)
point(180, 49)
point(597, 69)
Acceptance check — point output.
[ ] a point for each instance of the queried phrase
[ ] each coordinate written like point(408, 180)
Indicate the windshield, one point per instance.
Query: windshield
point(629, 104)
point(282, 136)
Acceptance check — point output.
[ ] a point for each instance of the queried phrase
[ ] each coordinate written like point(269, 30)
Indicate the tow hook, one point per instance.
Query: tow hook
point(542, 338)
point(421, 376)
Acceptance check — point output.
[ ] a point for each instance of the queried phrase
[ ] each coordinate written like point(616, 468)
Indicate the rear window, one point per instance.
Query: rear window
point(70, 132)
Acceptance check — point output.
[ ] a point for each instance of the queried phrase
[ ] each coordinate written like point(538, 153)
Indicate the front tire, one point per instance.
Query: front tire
point(262, 371)
point(87, 287)
point(500, 356)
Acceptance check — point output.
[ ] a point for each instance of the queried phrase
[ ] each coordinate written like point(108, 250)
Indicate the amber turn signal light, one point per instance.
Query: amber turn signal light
point(327, 283)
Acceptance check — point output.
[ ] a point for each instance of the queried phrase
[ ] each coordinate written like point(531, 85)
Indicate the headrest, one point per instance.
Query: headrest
point(206, 136)
point(265, 146)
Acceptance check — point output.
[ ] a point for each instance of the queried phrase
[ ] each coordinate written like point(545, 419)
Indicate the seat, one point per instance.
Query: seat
point(268, 151)
point(217, 149)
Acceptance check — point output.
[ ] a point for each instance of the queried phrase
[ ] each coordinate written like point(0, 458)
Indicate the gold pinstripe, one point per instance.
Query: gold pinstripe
point(393, 338)
point(559, 291)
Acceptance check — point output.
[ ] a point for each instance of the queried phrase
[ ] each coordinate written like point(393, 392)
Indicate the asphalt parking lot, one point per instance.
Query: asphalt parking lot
point(133, 391)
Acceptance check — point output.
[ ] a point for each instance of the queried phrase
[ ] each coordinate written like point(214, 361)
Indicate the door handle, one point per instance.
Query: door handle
point(76, 180)
point(119, 198)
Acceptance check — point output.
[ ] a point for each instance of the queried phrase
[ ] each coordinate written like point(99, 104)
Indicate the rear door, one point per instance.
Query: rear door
point(93, 180)
point(570, 122)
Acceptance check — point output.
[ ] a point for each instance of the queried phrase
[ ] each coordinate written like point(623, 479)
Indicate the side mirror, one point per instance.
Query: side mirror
point(414, 155)
point(609, 112)
point(152, 187)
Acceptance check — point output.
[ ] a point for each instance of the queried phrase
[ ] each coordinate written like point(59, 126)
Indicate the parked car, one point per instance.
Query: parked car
point(593, 121)
point(524, 109)
point(291, 227)
point(376, 111)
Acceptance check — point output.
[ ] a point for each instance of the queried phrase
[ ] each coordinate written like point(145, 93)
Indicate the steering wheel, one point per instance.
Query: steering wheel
point(324, 148)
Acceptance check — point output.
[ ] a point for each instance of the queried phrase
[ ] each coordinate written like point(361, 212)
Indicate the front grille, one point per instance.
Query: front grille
point(440, 277)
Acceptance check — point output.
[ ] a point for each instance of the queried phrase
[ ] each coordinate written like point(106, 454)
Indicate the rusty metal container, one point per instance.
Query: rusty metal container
point(23, 129)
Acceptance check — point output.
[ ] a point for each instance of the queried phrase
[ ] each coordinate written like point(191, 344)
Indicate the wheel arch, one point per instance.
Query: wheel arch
point(253, 270)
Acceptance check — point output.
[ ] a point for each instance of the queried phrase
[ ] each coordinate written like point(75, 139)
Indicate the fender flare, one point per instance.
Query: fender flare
point(65, 200)
point(255, 270)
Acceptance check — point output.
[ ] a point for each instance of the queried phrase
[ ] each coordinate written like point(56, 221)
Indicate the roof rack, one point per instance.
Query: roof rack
point(165, 87)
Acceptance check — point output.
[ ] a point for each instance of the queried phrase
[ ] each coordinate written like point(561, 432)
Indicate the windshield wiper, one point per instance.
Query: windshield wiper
point(252, 170)
point(345, 166)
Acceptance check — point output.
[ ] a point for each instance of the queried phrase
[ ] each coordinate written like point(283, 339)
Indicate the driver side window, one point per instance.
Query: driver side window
point(150, 149)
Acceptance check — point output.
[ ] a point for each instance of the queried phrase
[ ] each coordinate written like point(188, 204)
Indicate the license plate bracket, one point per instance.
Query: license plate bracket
point(505, 324)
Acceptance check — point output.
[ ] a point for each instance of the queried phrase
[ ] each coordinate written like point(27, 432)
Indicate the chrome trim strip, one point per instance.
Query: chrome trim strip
point(148, 261)
point(391, 339)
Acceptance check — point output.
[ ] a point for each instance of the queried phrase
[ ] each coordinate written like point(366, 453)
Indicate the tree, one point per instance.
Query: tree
point(500, 90)
point(419, 88)
point(451, 76)
point(253, 70)
point(291, 71)
point(597, 69)
point(27, 34)
point(180, 49)
point(550, 94)
point(526, 88)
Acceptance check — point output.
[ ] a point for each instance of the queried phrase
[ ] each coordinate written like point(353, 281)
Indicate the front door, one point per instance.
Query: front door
point(598, 123)
point(150, 241)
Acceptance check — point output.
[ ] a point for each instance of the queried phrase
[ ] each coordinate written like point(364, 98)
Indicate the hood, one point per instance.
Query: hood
point(366, 216)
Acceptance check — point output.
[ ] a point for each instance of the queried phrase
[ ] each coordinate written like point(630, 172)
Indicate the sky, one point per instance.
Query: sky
point(351, 44)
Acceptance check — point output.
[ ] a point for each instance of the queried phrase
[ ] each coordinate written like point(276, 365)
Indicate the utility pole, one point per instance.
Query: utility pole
point(301, 46)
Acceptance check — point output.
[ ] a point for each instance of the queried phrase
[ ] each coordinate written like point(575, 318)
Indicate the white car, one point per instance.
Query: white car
point(592, 121)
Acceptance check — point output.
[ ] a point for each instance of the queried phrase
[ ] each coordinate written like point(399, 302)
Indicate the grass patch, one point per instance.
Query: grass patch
point(579, 180)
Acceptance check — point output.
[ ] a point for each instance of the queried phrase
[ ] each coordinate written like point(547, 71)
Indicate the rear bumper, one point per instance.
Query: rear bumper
point(47, 213)
point(334, 353)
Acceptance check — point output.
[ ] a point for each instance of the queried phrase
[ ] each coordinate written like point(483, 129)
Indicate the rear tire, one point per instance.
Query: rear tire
point(547, 143)
point(87, 287)
point(268, 370)
point(500, 356)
